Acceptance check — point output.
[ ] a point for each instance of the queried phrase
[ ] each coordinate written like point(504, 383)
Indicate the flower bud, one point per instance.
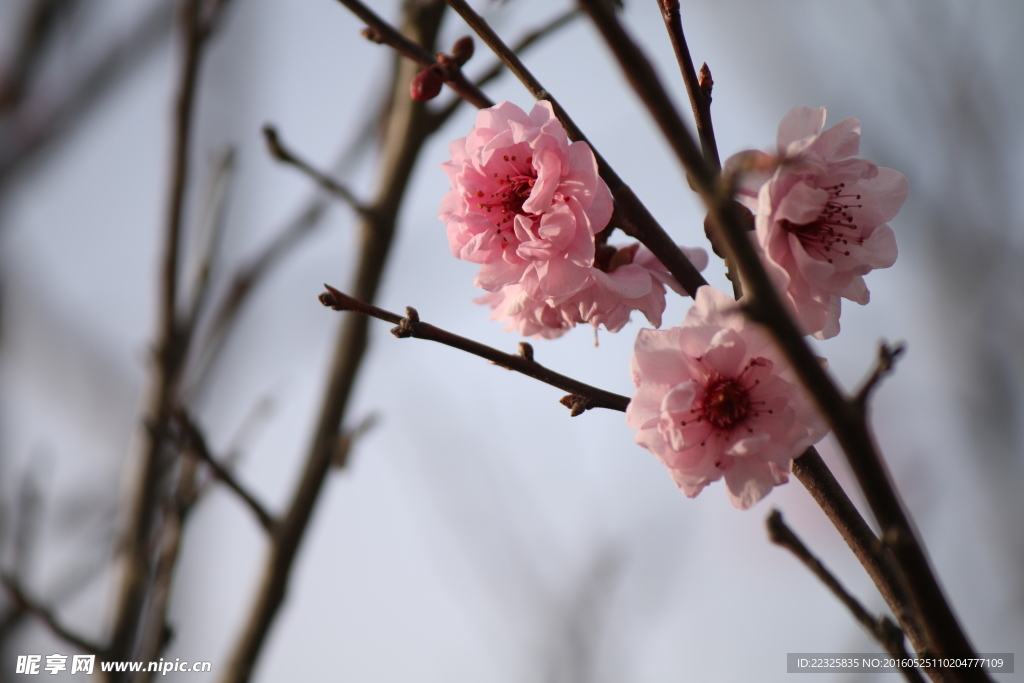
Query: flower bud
point(426, 85)
point(462, 50)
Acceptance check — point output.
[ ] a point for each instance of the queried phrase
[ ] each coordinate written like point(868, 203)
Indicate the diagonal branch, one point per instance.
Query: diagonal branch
point(763, 305)
point(888, 634)
point(498, 68)
point(630, 213)
point(26, 604)
point(411, 326)
point(195, 441)
point(380, 31)
point(286, 155)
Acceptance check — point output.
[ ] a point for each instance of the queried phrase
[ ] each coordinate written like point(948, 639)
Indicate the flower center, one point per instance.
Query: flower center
point(514, 188)
point(726, 402)
point(831, 232)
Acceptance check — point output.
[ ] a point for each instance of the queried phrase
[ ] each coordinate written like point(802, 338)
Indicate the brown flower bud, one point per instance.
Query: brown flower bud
point(426, 85)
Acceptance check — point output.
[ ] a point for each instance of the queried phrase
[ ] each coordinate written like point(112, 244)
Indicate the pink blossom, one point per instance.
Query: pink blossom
point(625, 279)
point(716, 398)
point(524, 202)
point(822, 215)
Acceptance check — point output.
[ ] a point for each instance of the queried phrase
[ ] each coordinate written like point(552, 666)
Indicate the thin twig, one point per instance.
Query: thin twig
point(630, 213)
point(887, 357)
point(380, 31)
point(173, 342)
point(196, 444)
point(523, 363)
point(763, 305)
point(24, 603)
point(208, 235)
point(819, 481)
point(407, 127)
point(697, 87)
point(888, 634)
point(498, 68)
point(34, 128)
point(284, 154)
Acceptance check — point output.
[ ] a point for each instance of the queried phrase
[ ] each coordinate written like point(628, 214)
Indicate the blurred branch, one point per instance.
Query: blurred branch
point(411, 326)
point(209, 232)
point(173, 342)
point(762, 304)
point(407, 128)
point(26, 604)
point(31, 129)
point(888, 634)
point(36, 36)
point(195, 442)
point(630, 213)
point(280, 152)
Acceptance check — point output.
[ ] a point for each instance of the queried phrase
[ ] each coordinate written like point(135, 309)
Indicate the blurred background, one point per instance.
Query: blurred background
point(480, 534)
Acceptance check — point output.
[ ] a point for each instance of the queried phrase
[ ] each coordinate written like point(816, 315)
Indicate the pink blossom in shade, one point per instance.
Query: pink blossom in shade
point(529, 317)
point(715, 398)
point(524, 202)
point(633, 279)
point(822, 215)
point(630, 278)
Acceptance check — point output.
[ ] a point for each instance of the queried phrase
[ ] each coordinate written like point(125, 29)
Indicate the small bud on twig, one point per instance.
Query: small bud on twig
point(704, 81)
point(372, 35)
point(462, 50)
point(426, 85)
point(526, 351)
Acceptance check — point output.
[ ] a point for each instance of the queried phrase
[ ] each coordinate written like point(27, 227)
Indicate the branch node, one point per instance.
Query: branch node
point(526, 351)
point(411, 314)
point(372, 35)
point(576, 404)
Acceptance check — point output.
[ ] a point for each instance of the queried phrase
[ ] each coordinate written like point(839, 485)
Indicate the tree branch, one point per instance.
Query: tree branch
point(282, 153)
point(195, 442)
point(888, 634)
point(763, 305)
point(698, 88)
point(630, 213)
point(407, 127)
point(26, 604)
point(380, 31)
point(411, 326)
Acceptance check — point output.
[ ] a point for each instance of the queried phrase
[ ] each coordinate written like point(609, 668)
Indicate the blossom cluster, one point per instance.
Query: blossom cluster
point(527, 205)
point(715, 398)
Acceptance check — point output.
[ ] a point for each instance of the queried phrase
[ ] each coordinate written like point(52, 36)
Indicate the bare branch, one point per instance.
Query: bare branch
point(173, 342)
point(24, 603)
point(30, 133)
point(282, 153)
point(411, 326)
point(888, 634)
point(195, 442)
point(697, 87)
point(887, 357)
